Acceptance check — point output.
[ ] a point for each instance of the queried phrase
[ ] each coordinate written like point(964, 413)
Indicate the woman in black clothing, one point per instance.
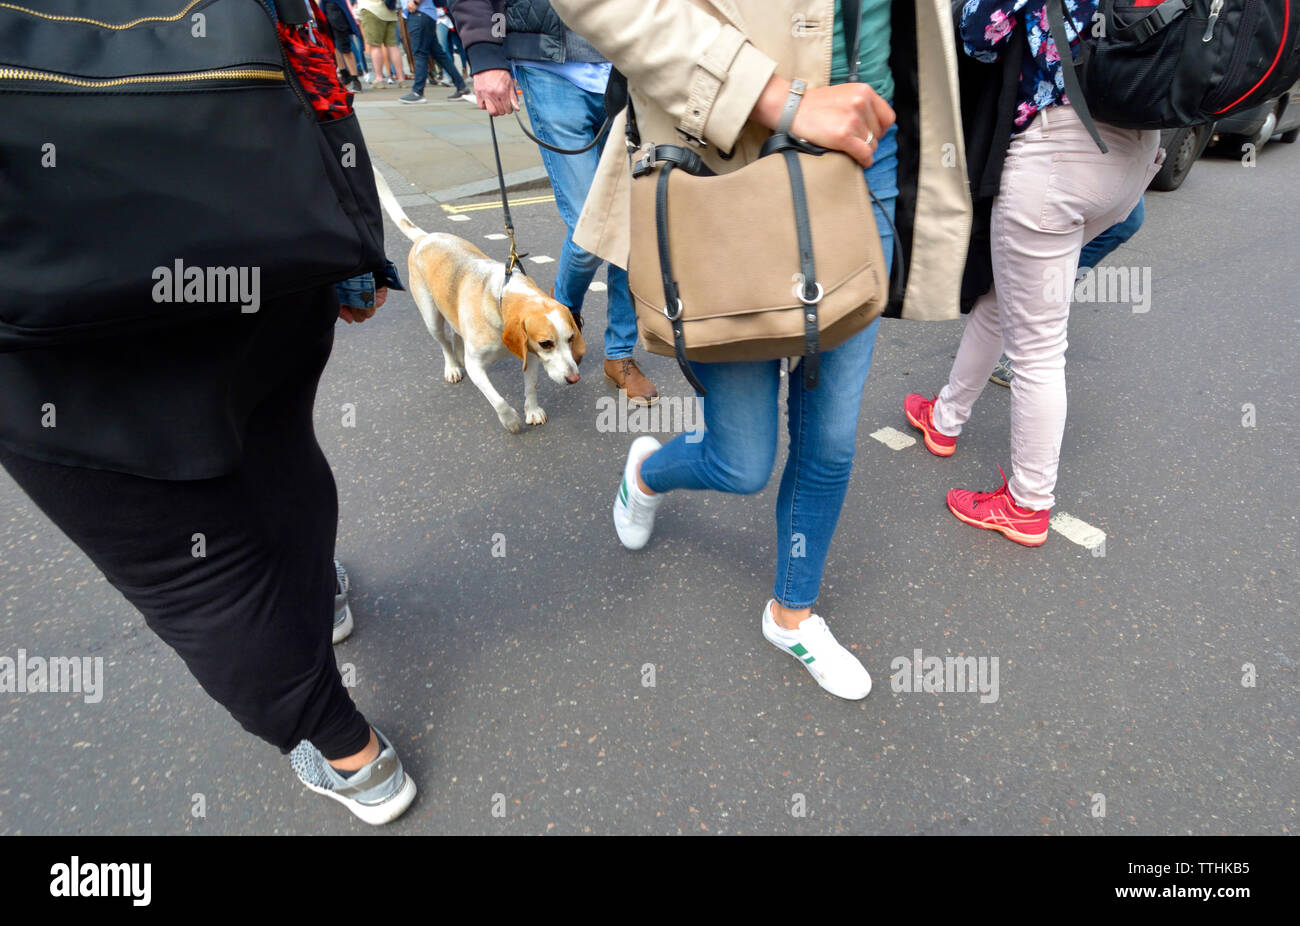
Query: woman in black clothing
point(207, 430)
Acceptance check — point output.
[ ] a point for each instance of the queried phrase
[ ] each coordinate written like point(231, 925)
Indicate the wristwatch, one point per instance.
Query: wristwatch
point(797, 88)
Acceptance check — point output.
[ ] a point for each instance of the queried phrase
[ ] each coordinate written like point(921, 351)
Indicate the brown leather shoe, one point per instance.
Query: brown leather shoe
point(626, 375)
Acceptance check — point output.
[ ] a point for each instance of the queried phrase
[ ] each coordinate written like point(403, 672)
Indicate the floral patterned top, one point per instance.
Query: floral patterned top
point(987, 25)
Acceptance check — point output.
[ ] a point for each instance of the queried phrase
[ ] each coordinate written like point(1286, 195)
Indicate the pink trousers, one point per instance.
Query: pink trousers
point(1058, 192)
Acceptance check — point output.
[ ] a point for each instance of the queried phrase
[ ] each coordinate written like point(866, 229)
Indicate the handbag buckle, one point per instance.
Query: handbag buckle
point(676, 315)
point(646, 164)
point(810, 300)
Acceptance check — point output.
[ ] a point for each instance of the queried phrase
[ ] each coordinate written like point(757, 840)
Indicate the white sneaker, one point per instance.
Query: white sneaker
point(835, 668)
point(634, 511)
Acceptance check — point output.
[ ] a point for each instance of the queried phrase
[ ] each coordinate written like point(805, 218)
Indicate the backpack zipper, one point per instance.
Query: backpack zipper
point(95, 83)
point(55, 17)
point(1242, 36)
point(1286, 34)
point(1215, 9)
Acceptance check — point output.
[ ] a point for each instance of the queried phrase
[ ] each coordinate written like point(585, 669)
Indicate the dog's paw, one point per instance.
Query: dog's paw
point(510, 420)
point(453, 374)
point(536, 415)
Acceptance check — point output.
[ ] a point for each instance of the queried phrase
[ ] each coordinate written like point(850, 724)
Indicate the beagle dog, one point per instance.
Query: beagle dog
point(476, 315)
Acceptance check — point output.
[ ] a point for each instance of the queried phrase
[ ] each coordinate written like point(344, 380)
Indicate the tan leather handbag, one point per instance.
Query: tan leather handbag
point(780, 258)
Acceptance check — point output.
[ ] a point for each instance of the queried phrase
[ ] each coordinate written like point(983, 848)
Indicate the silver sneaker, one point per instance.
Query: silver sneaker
point(342, 612)
point(377, 793)
point(1003, 373)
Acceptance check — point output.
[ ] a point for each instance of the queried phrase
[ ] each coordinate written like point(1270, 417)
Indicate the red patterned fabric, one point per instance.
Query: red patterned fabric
point(311, 55)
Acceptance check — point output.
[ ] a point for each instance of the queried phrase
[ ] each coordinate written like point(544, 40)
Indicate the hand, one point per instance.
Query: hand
point(412, 5)
point(352, 313)
point(495, 91)
point(842, 117)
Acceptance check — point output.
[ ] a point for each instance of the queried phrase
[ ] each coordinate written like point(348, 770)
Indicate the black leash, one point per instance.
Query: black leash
point(600, 133)
point(516, 259)
point(615, 101)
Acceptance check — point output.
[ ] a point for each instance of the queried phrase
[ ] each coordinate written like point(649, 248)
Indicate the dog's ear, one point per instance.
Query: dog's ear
point(578, 346)
point(515, 337)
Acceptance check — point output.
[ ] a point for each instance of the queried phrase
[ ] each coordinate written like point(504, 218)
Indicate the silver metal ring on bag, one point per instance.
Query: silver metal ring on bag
point(815, 298)
point(676, 315)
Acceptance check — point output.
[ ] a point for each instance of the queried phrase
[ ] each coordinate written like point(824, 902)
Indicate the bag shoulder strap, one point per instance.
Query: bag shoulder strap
point(851, 15)
point(1056, 21)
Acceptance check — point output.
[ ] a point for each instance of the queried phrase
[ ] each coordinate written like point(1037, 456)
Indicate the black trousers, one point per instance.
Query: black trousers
point(252, 616)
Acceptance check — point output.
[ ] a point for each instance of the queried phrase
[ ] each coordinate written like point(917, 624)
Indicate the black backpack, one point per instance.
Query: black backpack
point(159, 159)
point(1179, 63)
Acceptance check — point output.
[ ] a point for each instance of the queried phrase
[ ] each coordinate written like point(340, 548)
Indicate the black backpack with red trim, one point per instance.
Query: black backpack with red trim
point(1177, 63)
point(166, 162)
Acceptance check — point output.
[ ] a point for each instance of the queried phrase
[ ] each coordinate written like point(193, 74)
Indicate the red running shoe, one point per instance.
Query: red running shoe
point(919, 410)
point(997, 511)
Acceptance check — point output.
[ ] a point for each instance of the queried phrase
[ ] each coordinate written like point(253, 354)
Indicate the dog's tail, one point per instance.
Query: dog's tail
point(395, 211)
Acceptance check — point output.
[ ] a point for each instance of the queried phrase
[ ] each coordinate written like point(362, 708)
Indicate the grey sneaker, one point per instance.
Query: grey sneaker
point(1002, 373)
point(411, 97)
point(377, 793)
point(342, 612)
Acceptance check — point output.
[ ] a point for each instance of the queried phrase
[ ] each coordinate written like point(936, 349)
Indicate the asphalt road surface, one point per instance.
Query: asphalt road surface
point(516, 687)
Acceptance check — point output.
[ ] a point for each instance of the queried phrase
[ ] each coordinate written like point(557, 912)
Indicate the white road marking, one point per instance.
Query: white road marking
point(495, 236)
point(457, 218)
point(542, 259)
point(597, 286)
point(894, 440)
point(1076, 531)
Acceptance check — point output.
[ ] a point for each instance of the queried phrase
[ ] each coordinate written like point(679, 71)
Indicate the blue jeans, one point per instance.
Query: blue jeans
point(1113, 237)
point(742, 418)
point(567, 116)
point(424, 36)
point(450, 41)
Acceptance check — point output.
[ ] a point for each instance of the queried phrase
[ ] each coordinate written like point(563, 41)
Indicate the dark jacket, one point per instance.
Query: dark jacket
point(989, 94)
point(533, 32)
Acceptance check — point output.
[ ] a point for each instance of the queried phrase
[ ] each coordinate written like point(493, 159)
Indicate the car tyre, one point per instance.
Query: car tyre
point(1182, 148)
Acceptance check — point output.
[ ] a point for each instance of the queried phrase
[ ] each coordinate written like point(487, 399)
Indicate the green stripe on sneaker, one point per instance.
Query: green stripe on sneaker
point(622, 491)
point(799, 650)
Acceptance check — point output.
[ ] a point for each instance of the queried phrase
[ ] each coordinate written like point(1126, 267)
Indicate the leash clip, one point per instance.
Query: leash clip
point(646, 164)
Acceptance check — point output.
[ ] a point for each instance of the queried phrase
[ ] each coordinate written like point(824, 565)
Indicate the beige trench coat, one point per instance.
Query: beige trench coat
point(695, 69)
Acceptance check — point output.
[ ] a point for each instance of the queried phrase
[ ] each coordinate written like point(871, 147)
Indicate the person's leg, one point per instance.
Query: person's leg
point(444, 61)
point(251, 614)
point(445, 44)
point(620, 322)
point(561, 115)
point(823, 428)
point(359, 53)
point(394, 53)
point(981, 343)
point(736, 451)
point(372, 30)
point(1040, 222)
point(340, 32)
point(1100, 247)
point(422, 32)
point(456, 47)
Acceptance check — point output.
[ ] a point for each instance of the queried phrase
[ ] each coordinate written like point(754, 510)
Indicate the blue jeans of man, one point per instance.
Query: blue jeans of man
point(424, 36)
point(567, 116)
point(742, 419)
point(1113, 237)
